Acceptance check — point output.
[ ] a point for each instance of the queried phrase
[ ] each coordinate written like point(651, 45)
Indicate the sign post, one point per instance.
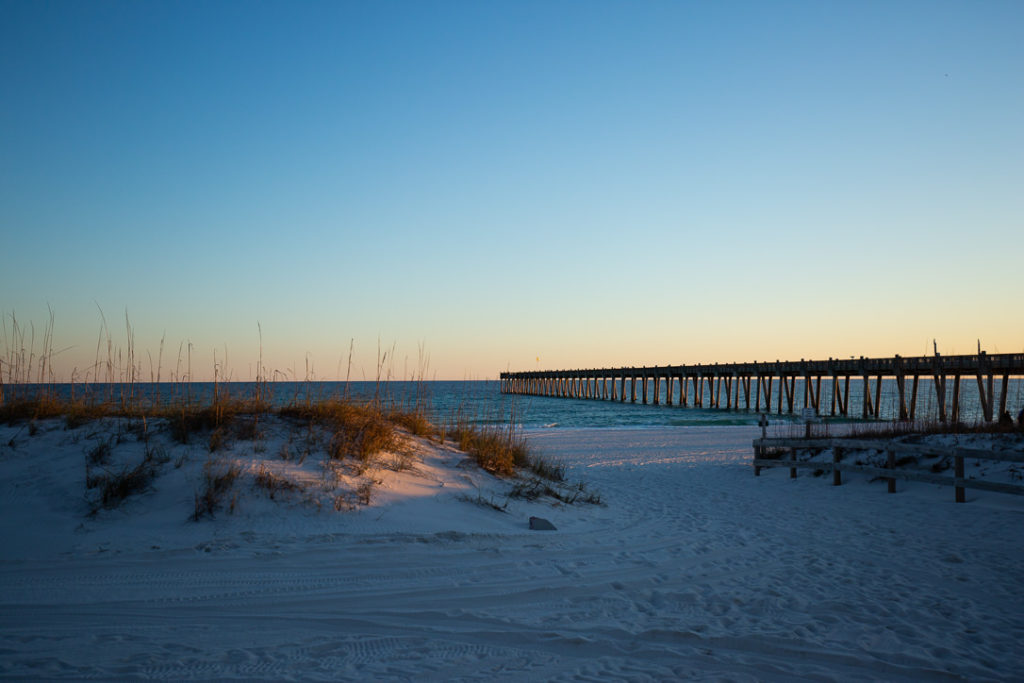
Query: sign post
point(808, 415)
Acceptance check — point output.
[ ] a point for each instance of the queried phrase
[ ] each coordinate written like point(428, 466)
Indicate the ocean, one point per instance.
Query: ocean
point(482, 402)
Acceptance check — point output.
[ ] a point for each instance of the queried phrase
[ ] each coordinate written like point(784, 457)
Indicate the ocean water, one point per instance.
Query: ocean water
point(482, 402)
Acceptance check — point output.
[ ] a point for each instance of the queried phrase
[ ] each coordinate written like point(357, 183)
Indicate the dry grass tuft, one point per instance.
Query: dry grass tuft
point(115, 487)
point(22, 410)
point(416, 422)
point(184, 420)
point(356, 430)
point(498, 450)
point(100, 453)
point(533, 489)
point(546, 469)
point(218, 439)
point(402, 460)
point(248, 428)
point(364, 492)
point(273, 483)
point(479, 500)
point(218, 481)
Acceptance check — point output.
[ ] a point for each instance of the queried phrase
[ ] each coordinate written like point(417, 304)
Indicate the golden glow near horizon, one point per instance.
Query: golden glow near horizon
point(108, 357)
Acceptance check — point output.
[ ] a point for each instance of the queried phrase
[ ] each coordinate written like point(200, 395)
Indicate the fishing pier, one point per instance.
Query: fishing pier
point(767, 386)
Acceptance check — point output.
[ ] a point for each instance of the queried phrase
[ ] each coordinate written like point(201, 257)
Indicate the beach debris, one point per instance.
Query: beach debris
point(541, 524)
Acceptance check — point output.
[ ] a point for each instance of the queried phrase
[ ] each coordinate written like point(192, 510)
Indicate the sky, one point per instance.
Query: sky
point(474, 187)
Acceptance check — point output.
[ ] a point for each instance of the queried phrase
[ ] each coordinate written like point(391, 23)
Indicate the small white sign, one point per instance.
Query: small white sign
point(808, 415)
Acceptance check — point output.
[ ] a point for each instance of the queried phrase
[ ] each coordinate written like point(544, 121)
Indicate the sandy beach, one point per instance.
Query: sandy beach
point(691, 568)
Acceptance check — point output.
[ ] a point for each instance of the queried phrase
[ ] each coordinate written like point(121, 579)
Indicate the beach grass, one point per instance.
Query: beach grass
point(218, 479)
point(357, 429)
point(350, 430)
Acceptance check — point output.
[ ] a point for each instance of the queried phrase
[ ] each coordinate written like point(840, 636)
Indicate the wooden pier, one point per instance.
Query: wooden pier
point(754, 386)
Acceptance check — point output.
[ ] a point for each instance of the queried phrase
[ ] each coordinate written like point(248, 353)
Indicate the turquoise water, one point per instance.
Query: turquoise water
point(483, 403)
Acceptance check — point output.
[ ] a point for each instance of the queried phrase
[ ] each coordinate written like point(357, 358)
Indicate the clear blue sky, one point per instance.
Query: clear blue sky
point(587, 183)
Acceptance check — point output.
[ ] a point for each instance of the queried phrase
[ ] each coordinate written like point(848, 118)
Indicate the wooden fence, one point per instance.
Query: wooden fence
point(841, 446)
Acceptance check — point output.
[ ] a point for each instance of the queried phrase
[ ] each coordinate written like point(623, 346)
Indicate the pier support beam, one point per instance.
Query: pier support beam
point(955, 411)
point(868, 410)
point(1002, 395)
point(984, 392)
point(782, 384)
point(913, 397)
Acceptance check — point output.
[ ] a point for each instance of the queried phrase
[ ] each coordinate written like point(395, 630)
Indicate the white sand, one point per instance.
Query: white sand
point(694, 568)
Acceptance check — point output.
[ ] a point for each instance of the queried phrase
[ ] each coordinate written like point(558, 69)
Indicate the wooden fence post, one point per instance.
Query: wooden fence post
point(958, 472)
point(890, 462)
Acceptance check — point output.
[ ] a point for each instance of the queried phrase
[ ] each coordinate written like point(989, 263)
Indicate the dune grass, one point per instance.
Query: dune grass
point(218, 481)
point(356, 430)
point(273, 484)
point(354, 439)
point(109, 487)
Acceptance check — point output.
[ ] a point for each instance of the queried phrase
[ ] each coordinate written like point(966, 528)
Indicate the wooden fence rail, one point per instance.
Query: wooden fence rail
point(840, 447)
